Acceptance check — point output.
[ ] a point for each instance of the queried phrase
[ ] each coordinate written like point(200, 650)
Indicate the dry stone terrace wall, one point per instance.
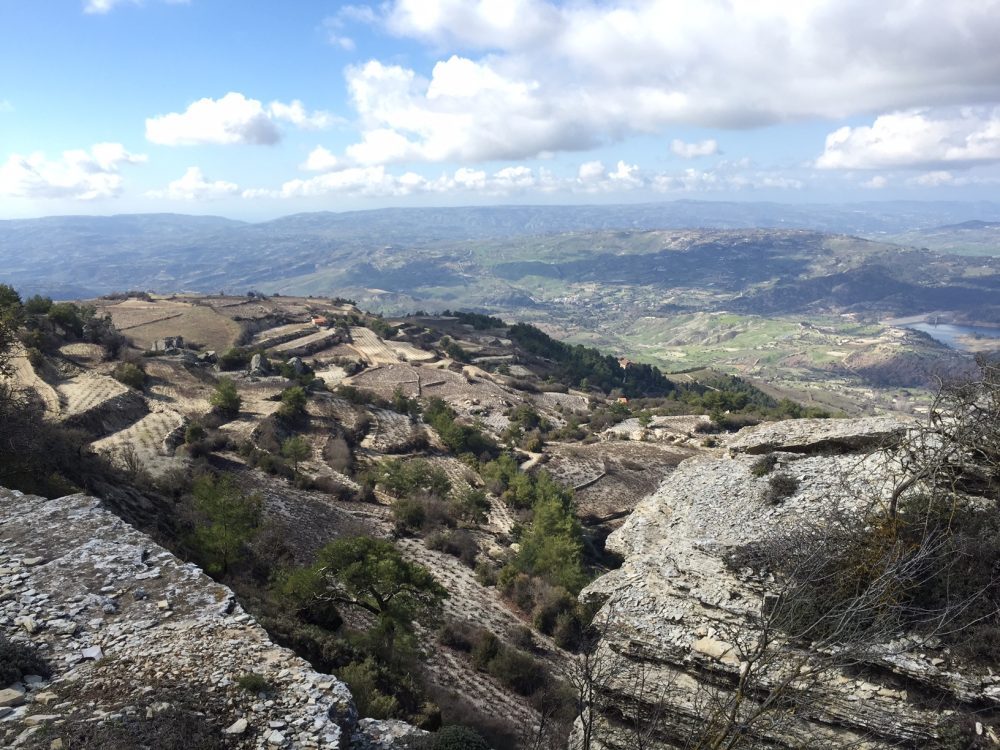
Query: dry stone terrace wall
point(675, 609)
point(125, 625)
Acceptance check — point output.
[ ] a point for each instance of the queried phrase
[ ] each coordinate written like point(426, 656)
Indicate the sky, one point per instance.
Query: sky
point(255, 109)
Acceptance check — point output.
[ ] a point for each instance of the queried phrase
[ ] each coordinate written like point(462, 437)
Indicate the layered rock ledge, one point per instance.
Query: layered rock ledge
point(129, 630)
point(678, 620)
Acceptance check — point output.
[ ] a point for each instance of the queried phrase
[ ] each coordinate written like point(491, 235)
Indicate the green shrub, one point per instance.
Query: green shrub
point(472, 505)
point(37, 305)
point(457, 543)
point(230, 519)
point(569, 630)
point(296, 449)
point(293, 402)
point(552, 604)
point(254, 683)
point(409, 515)
point(485, 649)
point(552, 547)
point(226, 398)
point(520, 672)
point(457, 635)
point(460, 438)
point(194, 433)
point(18, 659)
point(67, 316)
point(372, 691)
point(451, 738)
point(401, 478)
point(763, 465)
point(780, 486)
point(130, 375)
point(304, 589)
point(236, 358)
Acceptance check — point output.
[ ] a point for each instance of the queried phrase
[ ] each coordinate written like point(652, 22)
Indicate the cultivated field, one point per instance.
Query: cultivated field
point(87, 392)
point(371, 347)
point(148, 439)
point(145, 322)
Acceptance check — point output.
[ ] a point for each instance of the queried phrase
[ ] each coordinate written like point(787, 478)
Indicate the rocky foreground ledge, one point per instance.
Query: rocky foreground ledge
point(129, 631)
point(676, 614)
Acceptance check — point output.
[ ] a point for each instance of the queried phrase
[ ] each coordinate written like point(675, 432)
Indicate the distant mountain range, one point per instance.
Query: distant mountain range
point(751, 257)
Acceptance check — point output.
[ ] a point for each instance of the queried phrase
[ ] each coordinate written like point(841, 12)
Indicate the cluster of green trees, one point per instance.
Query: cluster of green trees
point(551, 542)
point(459, 437)
point(402, 478)
point(477, 320)
point(551, 563)
point(43, 325)
point(453, 350)
point(586, 367)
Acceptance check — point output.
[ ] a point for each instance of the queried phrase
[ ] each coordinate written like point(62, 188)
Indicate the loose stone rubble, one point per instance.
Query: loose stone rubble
point(126, 627)
point(674, 611)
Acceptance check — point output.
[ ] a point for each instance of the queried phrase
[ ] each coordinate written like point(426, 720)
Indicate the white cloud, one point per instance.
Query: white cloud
point(944, 178)
point(232, 119)
point(321, 160)
point(524, 77)
point(376, 181)
point(334, 25)
point(80, 174)
point(726, 176)
point(917, 139)
point(593, 177)
point(6, 106)
point(367, 181)
point(471, 179)
point(878, 182)
point(933, 179)
point(590, 177)
point(693, 150)
point(193, 186)
point(591, 172)
point(297, 115)
point(105, 6)
point(466, 111)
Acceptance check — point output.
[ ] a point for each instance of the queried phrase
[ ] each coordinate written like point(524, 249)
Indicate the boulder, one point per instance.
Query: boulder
point(259, 365)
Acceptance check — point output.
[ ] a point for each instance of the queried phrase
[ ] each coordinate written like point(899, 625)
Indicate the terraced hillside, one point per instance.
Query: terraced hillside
point(487, 454)
point(378, 399)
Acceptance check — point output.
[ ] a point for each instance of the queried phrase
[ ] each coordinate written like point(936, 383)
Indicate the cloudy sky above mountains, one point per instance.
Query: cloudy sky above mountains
point(254, 109)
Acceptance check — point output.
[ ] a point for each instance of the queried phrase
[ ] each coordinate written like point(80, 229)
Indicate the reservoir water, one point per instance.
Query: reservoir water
point(948, 333)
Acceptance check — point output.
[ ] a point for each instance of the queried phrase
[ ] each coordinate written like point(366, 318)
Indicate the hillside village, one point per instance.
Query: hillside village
point(276, 442)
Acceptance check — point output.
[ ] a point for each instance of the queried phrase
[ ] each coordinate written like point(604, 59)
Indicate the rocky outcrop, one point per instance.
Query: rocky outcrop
point(129, 630)
point(679, 622)
point(818, 435)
